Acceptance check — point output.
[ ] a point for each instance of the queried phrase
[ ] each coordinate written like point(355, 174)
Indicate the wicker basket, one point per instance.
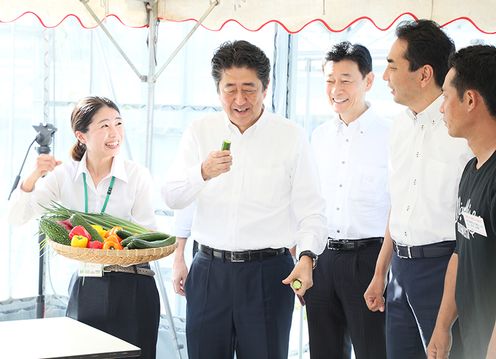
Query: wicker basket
point(126, 257)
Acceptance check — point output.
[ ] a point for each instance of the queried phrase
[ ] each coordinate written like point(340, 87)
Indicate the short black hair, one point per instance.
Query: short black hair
point(240, 54)
point(353, 52)
point(475, 69)
point(427, 44)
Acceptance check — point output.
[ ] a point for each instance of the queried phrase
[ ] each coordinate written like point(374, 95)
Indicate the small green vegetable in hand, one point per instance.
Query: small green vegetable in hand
point(226, 145)
point(296, 284)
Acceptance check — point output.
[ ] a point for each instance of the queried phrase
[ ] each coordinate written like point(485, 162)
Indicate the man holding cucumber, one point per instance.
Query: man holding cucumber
point(351, 149)
point(253, 201)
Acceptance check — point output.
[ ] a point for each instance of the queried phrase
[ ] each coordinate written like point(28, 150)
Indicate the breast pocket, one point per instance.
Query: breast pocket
point(369, 185)
point(267, 186)
point(441, 179)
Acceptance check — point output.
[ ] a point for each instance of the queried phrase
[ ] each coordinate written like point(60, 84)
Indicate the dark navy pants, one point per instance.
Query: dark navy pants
point(125, 305)
point(414, 295)
point(336, 308)
point(238, 307)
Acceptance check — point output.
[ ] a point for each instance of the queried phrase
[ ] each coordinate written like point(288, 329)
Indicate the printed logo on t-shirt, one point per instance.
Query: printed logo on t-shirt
point(468, 222)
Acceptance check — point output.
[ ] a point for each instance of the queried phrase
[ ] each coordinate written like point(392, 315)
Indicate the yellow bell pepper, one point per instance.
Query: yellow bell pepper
point(79, 241)
point(101, 231)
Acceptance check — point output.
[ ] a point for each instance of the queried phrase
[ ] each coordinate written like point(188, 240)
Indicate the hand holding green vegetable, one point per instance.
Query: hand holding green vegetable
point(217, 162)
point(300, 279)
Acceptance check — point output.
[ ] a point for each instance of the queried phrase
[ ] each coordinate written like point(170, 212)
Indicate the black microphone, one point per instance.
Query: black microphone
point(44, 139)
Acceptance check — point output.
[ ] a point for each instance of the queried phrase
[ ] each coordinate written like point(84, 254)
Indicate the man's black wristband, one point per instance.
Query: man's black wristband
point(311, 255)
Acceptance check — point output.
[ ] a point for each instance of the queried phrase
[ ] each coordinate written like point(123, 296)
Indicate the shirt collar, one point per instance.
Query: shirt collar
point(430, 115)
point(118, 169)
point(232, 127)
point(362, 123)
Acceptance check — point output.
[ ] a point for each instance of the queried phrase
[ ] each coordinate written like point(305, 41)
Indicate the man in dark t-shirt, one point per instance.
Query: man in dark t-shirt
point(469, 110)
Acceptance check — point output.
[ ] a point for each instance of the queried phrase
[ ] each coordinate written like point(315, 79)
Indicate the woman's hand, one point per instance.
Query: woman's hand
point(44, 163)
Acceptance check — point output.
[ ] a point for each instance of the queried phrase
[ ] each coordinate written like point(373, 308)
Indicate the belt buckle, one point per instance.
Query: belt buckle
point(236, 257)
point(336, 245)
point(408, 251)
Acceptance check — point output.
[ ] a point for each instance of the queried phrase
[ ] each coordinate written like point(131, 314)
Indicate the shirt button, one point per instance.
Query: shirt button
point(338, 231)
point(343, 162)
point(337, 208)
point(347, 140)
point(340, 185)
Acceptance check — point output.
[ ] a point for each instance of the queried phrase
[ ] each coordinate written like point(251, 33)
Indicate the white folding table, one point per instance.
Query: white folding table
point(60, 338)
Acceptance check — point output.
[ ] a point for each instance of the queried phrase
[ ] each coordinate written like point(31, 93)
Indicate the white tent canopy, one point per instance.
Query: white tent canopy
point(253, 14)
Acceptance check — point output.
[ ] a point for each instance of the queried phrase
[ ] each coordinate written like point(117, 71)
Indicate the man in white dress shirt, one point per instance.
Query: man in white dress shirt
point(425, 168)
point(351, 150)
point(253, 202)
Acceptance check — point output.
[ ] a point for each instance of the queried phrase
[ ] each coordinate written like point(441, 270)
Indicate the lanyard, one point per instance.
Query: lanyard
point(109, 192)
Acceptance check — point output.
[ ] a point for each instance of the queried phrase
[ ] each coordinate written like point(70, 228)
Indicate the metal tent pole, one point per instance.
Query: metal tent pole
point(152, 9)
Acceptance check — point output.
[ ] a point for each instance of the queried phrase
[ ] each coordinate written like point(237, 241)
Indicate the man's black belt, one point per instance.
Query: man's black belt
point(351, 244)
point(439, 249)
point(243, 256)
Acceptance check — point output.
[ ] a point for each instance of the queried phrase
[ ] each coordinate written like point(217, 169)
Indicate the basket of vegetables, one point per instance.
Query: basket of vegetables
point(102, 238)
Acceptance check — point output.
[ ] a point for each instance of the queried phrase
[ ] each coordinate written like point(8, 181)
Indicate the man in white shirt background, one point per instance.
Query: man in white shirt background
point(425, 169)
point(351, 150)
point(253, 202)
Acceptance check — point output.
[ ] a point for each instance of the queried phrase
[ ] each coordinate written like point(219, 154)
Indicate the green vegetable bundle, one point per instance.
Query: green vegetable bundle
point(138, 237)
point(57, 212)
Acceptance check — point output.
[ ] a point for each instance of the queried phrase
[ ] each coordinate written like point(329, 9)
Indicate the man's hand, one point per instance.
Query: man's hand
point(374, 295)
point(440, 344)
point(491, 350)
point(179, 268)
point(179, 275)
point(217, 162)
point(303, 272)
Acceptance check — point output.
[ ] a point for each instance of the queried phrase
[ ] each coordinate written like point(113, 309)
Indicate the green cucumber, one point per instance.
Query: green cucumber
point(151, 236)
point(78, 220)
point(137, 243)
point(123, 234)
point(226, 145)
point(125, 242)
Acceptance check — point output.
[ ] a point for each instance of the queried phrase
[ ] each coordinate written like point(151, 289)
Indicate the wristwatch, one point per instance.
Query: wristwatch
point(311, 255)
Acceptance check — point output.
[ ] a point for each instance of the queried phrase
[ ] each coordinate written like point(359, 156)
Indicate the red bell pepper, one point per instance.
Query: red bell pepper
point(79, 231)
point(66, 224)
point(95, 245)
